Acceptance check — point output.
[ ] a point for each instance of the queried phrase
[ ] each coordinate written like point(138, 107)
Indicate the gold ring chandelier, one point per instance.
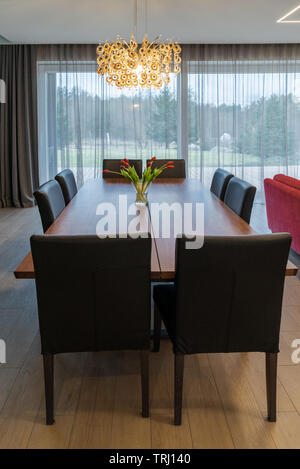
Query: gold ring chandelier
point(131, 65)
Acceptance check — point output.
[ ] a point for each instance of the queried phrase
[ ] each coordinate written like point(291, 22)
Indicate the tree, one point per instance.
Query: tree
point(163, 122)
point(265, 131)
point(278, 140)
point(64, 128)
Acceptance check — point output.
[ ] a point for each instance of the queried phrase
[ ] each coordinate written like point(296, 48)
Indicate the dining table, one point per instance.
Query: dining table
point(81, 217)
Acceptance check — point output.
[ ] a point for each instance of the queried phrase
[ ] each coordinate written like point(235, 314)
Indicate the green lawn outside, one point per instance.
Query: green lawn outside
point(210, 159)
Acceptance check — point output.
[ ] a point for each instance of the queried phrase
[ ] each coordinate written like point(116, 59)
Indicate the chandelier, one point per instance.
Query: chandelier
point(131, 65)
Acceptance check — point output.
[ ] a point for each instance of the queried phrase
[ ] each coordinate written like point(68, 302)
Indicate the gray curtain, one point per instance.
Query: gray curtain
point(18, 126)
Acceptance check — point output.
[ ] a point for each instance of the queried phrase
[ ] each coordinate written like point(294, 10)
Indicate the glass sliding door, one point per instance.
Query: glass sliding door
point(82, 120)
point(244, 116)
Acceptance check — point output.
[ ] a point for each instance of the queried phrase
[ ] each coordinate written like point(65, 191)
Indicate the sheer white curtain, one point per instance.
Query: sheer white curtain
point(82, 119)
point(243, 111)
point(233, 106)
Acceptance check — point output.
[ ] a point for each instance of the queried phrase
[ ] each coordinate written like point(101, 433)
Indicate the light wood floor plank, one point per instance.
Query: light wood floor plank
point(8, 320)
point(252, 366)
point(246, 423)
point(291, 295)
point(20, 410)
point(68, 377)
point(20, 338)
point(286, 431)
point(290, 378)
point(129, 429)
point(93, 422)
point(290, 318)
point(69, 374)
point(163, 433)
point(206, 415)
point(55, 436)
point(7, 378)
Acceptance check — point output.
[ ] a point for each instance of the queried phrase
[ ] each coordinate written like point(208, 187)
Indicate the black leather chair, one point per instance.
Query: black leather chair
point(220, 182)
point(50, 201)
point(68, 184)
point(239, 196)
point(227, 297)
point(177, 172)
point(114, 165)
point(93, 294)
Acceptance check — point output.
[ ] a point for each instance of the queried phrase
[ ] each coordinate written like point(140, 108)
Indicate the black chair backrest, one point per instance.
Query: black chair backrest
point(239, 196)
point(177, 172)
point(219, 182)
point(93, 294)
point(229, 293)
point(114, 165)
point(50, 201)
point(68, 184)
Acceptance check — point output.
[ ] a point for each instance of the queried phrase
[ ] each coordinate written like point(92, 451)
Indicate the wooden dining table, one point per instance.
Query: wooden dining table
point(80, 218)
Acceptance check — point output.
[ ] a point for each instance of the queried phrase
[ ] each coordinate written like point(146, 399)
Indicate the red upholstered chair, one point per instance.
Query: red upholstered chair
point(292, 182)
point(283, 206)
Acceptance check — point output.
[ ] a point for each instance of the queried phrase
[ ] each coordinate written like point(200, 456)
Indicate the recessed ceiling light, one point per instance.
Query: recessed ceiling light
point(3, 40)
point(290, 13)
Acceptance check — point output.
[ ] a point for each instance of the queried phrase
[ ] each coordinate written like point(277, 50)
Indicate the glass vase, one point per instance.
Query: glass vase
point(141, 197)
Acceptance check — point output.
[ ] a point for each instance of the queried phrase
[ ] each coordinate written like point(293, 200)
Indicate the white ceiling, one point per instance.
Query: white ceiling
point(187, 21)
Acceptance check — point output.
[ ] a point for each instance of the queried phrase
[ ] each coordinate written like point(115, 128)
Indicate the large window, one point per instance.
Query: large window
point(244, 116)
point(241, 115)
point(82, 120)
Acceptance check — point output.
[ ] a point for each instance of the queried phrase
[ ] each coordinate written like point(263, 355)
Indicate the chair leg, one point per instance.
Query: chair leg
point(145, 382)
point(178, 382)
point(271, 381)
point(157, 329)
point(49, 387)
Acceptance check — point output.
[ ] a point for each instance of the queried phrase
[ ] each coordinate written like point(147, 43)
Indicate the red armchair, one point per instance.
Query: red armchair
point(292, 182)
point(283, 206)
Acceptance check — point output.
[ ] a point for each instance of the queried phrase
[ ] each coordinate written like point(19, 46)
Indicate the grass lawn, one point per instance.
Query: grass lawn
point(210, 159)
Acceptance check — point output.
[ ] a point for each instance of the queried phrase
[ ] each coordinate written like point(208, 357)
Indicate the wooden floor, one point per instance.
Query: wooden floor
point(98, 395)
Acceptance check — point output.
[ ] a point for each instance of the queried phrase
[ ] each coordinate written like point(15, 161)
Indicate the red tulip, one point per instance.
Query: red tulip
point(171, 166)
point(148, 164)
point(106, 171)
point(126, 160)
point(153, 158)
point(170, 162)
point(123, 167)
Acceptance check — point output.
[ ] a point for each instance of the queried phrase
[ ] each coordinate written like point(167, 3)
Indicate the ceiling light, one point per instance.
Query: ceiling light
point(290, 13)
point(131, 65)
point(3, 40)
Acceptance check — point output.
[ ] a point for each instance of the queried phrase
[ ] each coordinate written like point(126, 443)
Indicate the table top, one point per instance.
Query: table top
point(80, 218)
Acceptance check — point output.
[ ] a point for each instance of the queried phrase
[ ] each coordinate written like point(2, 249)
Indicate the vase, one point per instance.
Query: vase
point(141, 197)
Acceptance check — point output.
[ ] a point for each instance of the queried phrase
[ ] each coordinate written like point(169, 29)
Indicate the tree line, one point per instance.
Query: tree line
point(266, 127)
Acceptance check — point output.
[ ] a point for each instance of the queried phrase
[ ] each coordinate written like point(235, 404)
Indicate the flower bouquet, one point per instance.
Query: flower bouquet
point(149, 175)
